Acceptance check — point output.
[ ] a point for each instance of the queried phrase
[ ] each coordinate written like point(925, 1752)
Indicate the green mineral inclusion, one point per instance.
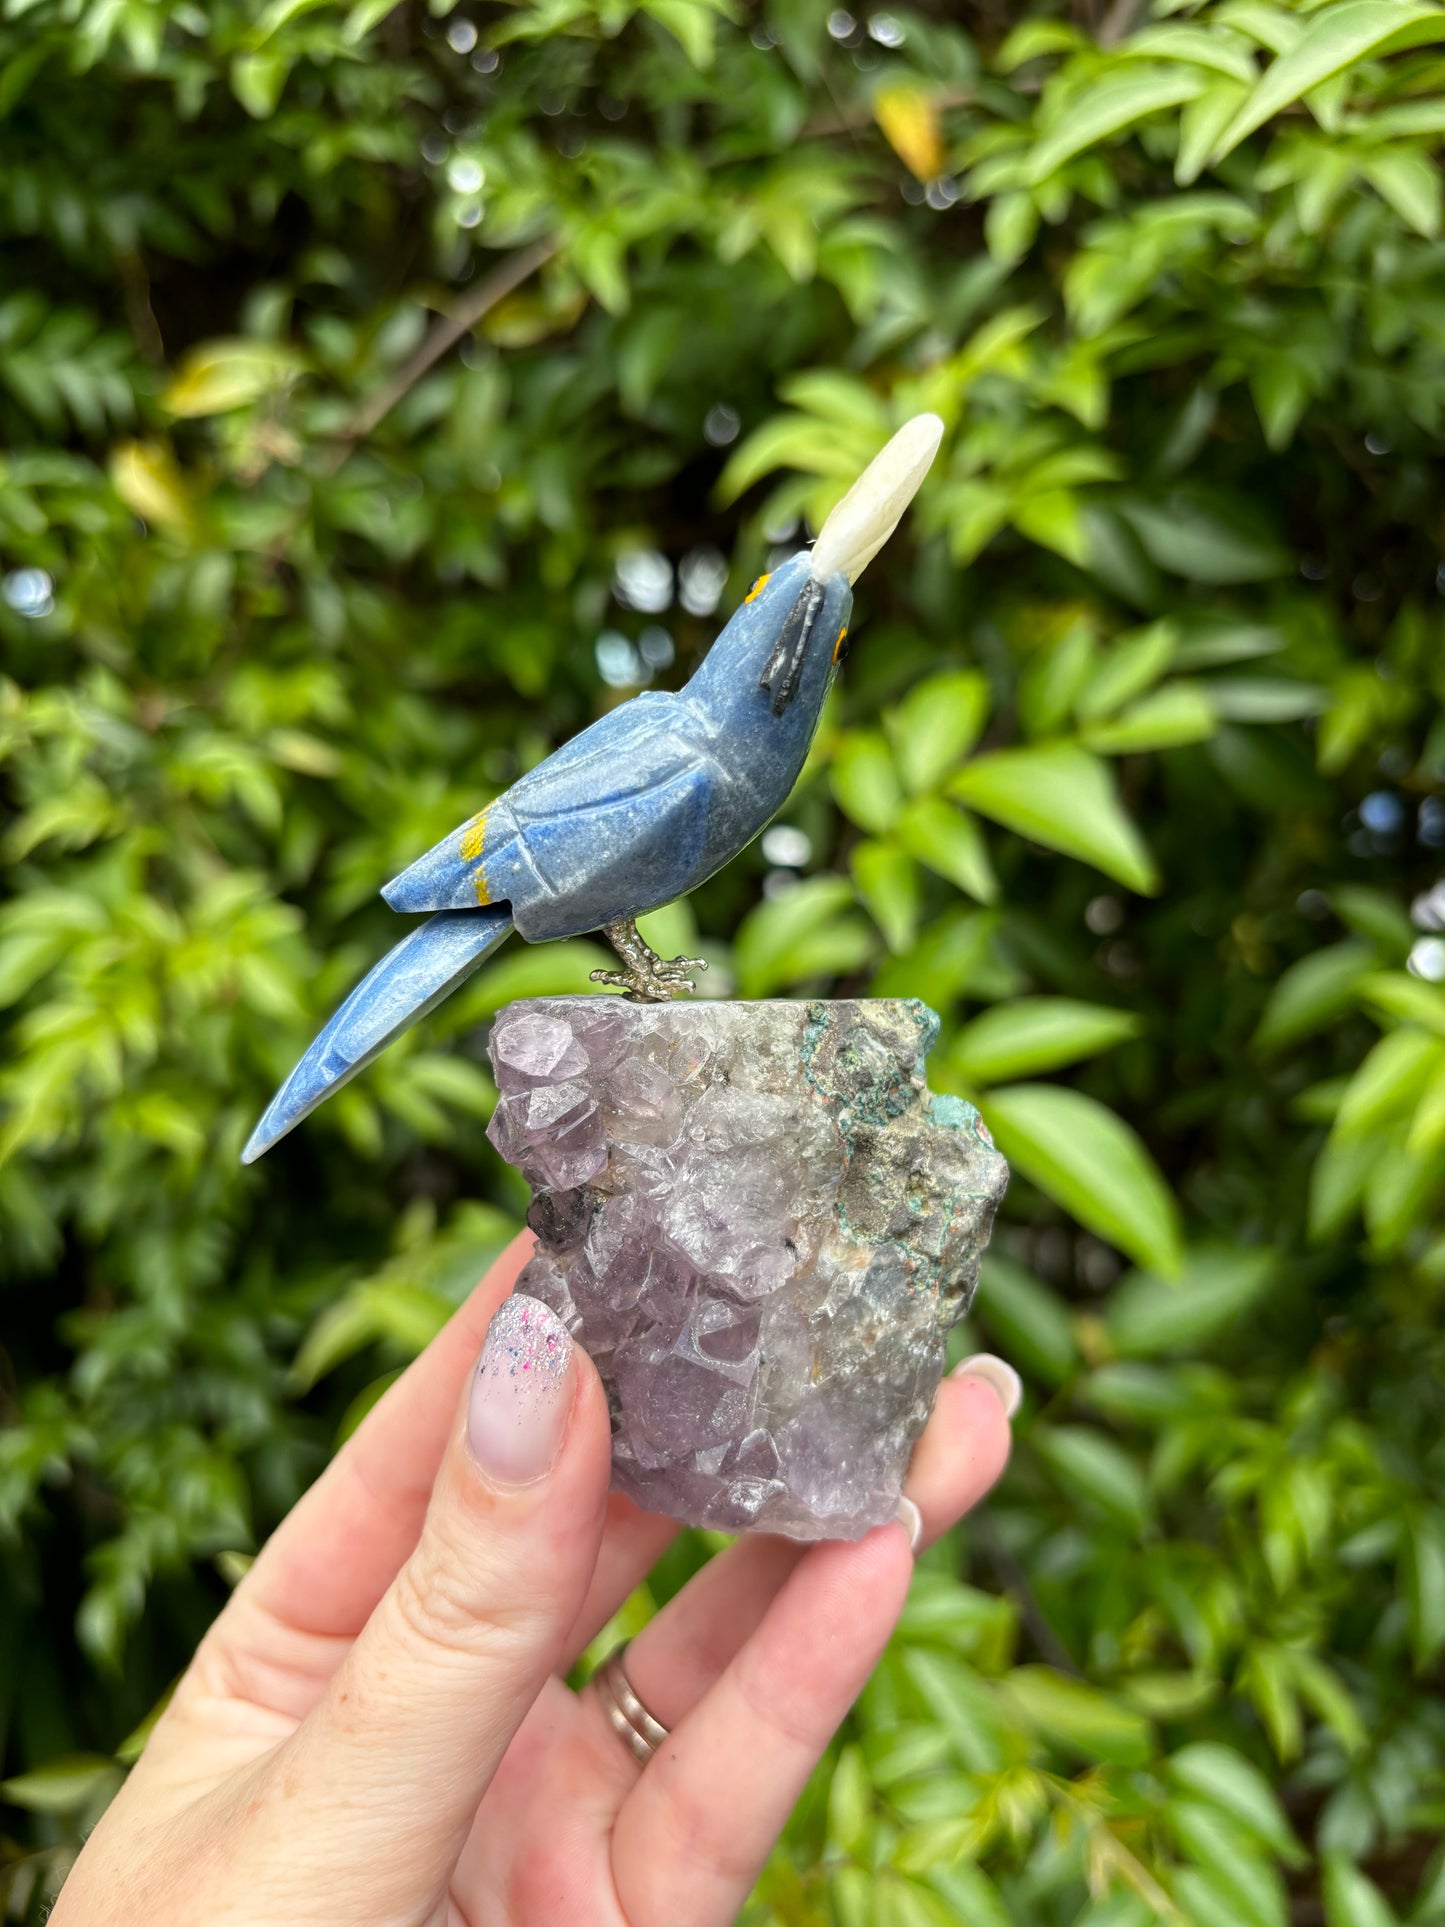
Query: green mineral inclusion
point(882, 1100)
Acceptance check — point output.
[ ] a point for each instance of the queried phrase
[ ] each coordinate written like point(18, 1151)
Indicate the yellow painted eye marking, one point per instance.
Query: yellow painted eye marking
point(838, 645)
point(757, 588)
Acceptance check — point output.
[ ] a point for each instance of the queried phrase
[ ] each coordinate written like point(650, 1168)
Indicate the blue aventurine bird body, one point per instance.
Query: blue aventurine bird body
point(651, 799)
point(634, 812)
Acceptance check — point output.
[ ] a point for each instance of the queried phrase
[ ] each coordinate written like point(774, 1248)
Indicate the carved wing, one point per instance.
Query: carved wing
point(634, 752)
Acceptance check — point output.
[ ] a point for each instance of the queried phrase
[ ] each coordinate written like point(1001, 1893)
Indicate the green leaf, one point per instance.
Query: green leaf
point(279, 13)
point(1229, 1781)
point(1213, 640)
point(1170, 1696)
point(936, 725)
point(1108, 107)
point(1009, 227)
point(1424, 1573)
point(1090, 1162)
point(366, 14)
point(1136, 1393)
point(1036, 1034)
point(852, 1897)
point(599, 254)
point(839, 398)
point(1352, 1900)
point(692, 23)
point(1192, 535)
point(1212, 46)
point(1337, 1184)
point(1311, 994)
point(1398, 1194)
point(1319, 1686)
point(1380, 919)
point(1405, 998)
point(887, 880)
point(63, 1785)
point(850, 1804)
point(1266, 699)
point(1233, 1862)
point(1148, 1316)
point(1205, 1898)
point(136, 1741)
point(257, 81)
point(1129, 668)
point(1050, 685)
point(1427, 1126)
point(1266, 1678)
point(950, 843)
point(1030, 1321)
point(1051, 518)
point(406, 1316)
point(1061, 796)
point(942, 1611)
point(963, 1706)
point(799, 935)
point(1035, 39)
point(1282, 391)
point(1410, 182)
point(1336, 38)
point(1077, 1717)
point(950, 957)
point(970, 1896)
point(1097, 1471)
point(529, 970)
point(1389, 1082)
point(1180, 712)
point(865, 781)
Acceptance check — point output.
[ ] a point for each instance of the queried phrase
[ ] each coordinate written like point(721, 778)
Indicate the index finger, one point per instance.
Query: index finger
point(335, 1553)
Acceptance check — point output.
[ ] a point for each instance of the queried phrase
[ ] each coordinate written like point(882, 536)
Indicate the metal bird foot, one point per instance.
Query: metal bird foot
point(648, 978)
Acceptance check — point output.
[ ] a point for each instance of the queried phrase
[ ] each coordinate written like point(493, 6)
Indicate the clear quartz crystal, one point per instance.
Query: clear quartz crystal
point(761, 1226)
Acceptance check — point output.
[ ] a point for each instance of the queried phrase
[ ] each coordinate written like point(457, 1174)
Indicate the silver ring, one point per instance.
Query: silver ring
point(629, 1719)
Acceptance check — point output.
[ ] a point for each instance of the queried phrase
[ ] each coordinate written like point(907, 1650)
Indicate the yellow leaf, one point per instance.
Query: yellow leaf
point(908, 118)
point(221, 375)
point(146, 477)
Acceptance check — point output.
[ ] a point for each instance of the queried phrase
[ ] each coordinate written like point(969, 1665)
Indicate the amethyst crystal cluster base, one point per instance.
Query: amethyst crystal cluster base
point(761, 1226)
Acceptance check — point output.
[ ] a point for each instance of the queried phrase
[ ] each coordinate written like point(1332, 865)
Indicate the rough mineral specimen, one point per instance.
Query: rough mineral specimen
point(761, 1225)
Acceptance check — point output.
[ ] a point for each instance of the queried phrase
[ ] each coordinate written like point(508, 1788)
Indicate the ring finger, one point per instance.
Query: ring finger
point(692, 1835)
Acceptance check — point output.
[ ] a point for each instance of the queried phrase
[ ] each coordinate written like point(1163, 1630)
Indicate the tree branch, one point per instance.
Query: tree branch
point(1119, 22)
point(493, 288)
point(1012, 1578)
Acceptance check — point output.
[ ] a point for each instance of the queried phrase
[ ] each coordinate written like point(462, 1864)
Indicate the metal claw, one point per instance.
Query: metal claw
point(648, 978)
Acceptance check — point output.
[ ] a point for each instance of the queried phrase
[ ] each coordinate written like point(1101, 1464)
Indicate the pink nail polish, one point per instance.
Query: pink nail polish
point(519, 1400)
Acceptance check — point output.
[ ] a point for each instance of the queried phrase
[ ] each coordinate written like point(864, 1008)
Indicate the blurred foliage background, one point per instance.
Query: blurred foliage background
point(385, 392)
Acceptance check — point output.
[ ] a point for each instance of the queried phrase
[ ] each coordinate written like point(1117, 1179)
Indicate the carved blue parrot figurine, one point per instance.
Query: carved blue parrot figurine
point(639, 809)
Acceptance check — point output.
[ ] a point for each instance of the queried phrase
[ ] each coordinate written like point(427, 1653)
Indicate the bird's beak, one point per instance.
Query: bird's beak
point(870, 511)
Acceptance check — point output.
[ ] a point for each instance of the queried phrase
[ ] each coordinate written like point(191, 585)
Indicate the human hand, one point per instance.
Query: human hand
point(376, 1731)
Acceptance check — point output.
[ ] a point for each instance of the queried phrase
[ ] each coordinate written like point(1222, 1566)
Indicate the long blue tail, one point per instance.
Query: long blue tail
point(410, 980)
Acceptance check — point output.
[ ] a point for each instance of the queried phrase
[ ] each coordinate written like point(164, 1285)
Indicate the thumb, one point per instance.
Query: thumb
point(392, 1762)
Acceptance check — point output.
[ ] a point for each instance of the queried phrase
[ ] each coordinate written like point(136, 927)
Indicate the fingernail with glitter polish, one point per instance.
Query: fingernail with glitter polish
point(993, 1371)
point(519, 1402)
